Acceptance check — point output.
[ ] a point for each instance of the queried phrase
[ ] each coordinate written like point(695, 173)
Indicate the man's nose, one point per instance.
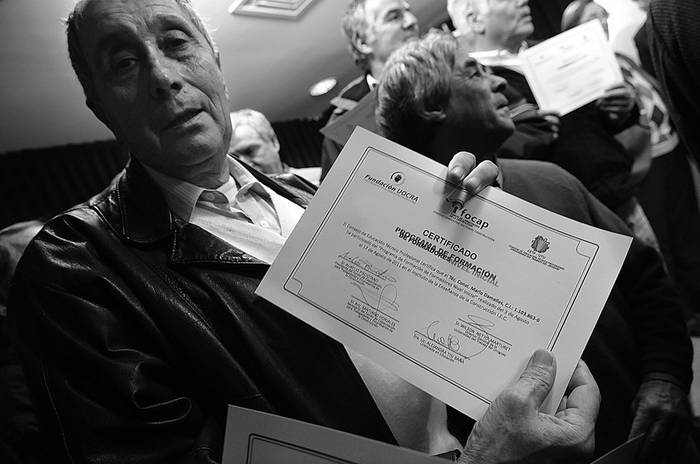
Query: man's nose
point(164, 78)
point(498, 84)
point(409, 20)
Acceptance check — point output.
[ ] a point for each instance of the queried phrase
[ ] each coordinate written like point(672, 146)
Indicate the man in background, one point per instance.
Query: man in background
point(374, 29)
point(586, 147)
point(253, 140)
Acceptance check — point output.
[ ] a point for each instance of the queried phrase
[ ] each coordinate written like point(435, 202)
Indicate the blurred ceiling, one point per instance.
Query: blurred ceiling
point(269, 64)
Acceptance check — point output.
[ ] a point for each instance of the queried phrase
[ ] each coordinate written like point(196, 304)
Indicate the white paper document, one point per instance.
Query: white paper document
point(572, 68)
point(254, 437)
point(453, 297)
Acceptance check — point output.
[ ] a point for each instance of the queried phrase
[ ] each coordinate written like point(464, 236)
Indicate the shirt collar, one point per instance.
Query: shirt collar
point(371, 81)
point(499, 57)
point(182, 196)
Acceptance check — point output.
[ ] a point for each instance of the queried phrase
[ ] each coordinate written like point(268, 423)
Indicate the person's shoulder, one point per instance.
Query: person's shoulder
point(352, 93)
point(356, 89)
point(65, 239)
point(534, 171)
point(541, 182)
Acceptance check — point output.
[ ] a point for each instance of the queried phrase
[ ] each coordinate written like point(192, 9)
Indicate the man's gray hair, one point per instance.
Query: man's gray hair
point(457, 9)
point(78, 59)
point(354, 23)
point(415, 90)
point(255, 120)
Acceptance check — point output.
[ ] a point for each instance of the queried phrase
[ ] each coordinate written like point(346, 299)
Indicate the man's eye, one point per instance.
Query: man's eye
point(175, 41)
point(393, 16)
point(123, 63)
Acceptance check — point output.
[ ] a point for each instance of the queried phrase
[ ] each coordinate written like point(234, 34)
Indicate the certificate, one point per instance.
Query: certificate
point(571, 69)
point(453, 297)
point(254, 437)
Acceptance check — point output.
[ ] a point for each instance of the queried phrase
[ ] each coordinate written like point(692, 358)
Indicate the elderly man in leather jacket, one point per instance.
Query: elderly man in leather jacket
point(135, 312)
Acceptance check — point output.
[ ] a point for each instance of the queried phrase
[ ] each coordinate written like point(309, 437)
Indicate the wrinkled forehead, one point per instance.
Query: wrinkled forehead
point(376, 9)
point(245, 132)
point(462, 55)
point(99, 21)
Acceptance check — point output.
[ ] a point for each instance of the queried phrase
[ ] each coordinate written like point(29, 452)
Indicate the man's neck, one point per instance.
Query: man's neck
point(484, 44)
point(376, 68)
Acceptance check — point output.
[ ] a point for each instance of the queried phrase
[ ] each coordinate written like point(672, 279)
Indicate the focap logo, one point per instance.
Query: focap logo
point(540, 244)
point(461, 213)
point(398, 177)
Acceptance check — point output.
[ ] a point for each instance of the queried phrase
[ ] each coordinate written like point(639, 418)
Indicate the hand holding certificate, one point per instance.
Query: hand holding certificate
point(451, 296)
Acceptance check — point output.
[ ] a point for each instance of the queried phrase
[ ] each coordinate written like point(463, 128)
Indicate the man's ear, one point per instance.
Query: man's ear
point(361, 45)
point(475, 20)
point(432, 115)
point(275, 143)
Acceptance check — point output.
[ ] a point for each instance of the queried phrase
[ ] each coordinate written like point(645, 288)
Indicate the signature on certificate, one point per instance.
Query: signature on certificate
point(381, 274)
point(384, 299)
point(480, 337)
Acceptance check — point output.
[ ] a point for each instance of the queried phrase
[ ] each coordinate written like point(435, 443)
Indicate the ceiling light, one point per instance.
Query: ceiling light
point(323, 86)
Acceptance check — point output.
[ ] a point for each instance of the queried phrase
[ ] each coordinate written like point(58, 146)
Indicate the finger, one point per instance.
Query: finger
point(653, 447)
point(621, 85)
point(538, 377)
point(548, 114)
point(460, 165)
point(483, 175)
point(622, 104)
point(583, 393)
point(554, 120)
point(641, 422)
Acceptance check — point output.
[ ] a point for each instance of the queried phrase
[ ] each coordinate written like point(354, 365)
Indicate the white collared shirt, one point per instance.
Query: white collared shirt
point(262, 219)
point(499, 57)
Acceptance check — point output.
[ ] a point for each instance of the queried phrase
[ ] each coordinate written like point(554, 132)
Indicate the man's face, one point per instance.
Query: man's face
point(476, 103)
point(390, 24)
point(157, 85)
point(508, 21)
point(251, 147)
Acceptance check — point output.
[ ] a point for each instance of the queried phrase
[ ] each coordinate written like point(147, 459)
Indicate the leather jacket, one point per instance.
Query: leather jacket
point(137, 330)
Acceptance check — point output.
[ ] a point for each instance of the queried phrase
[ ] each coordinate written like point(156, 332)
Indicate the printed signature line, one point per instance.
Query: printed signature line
point(376, 309)
point(476, 326)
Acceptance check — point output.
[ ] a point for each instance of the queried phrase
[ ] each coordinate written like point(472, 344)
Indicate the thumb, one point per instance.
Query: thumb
point(538, 377)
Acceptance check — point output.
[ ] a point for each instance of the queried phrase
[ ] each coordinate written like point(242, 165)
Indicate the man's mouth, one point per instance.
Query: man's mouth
point(181, 118)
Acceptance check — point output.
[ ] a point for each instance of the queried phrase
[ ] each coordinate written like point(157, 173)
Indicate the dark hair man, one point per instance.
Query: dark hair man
point(435, 97)
point(135, 311)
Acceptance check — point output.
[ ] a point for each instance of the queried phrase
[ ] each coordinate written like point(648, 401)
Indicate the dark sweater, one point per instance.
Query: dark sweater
point(641, 329)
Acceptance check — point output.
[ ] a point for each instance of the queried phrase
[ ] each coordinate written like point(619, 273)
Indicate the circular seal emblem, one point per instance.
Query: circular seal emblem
point(398, 177)
point(540, 244)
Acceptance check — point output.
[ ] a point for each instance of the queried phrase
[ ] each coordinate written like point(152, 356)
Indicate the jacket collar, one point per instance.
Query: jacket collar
point(137, 211)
